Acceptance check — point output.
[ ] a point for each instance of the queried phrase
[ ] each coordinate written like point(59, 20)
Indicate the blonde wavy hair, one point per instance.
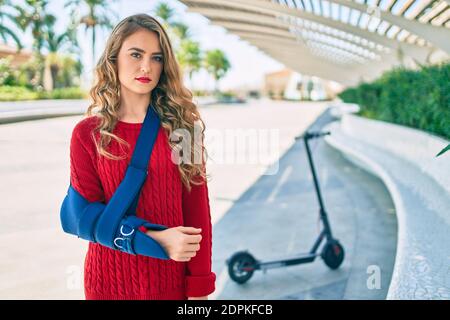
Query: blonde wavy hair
point(170, 98)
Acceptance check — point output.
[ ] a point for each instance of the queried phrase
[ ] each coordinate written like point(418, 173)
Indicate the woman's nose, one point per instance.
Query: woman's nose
point(145, 67)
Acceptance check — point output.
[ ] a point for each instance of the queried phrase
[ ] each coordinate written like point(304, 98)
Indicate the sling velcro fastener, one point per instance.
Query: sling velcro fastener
point(133, 241)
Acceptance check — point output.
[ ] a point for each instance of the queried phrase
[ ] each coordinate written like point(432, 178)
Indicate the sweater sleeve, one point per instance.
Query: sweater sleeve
point(200, 280)
point(83, 173)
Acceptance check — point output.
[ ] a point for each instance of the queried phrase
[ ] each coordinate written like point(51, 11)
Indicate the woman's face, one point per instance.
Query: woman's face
point(140, 57)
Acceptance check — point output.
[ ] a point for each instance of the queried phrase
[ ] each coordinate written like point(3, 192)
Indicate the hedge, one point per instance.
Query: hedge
point(414, 98)
point(11, 93)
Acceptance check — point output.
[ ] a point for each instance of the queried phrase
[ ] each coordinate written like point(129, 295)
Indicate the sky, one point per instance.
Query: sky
point(248, 64)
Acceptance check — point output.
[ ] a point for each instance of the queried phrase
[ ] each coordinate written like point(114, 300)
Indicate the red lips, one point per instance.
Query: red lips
point(144, 79)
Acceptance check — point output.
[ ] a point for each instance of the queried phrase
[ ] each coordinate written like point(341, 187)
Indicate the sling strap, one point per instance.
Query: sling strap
point(115, 224)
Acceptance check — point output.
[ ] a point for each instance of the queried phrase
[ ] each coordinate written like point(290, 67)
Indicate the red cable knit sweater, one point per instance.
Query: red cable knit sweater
point(111, 274)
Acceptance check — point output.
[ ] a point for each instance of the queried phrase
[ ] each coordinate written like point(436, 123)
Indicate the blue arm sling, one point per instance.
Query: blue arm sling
point(115, 224)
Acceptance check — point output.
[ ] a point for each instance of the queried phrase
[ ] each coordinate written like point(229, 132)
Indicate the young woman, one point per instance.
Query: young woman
point(136, 71)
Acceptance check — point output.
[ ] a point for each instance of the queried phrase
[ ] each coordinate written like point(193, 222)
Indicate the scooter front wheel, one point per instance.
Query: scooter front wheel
point(333, 254)
point(241, 266)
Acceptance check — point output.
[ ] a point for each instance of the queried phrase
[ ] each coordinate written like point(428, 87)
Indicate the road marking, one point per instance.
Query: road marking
point(280, 182)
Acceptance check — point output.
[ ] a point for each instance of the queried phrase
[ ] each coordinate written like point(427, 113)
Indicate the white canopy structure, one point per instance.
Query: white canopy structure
point(341, 40)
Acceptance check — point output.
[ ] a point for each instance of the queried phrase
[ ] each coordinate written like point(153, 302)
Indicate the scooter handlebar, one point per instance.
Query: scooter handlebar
point(312, 134)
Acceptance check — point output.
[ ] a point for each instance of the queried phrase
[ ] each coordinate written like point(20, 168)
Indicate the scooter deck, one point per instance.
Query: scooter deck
point(303, 258)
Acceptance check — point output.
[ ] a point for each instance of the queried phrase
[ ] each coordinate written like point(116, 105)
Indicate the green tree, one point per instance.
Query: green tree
point(8, 75)
point(70, 71)
point(188, 52)
point(217, 64)
point(189, 57)
point(179, 33)
point(165, 12)
point(181, 30)
point(173, 29)
point(34, 16)
point(98, 16)
point(6, 32)
point(55, 43)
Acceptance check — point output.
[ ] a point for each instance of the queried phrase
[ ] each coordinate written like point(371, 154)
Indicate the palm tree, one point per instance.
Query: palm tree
point(165, 12)
point(181, 30)
point(173, 29)
point(34, 16)
point(6, 32)
point(97, 16)
point(55, 43)
point(189, 57)
point(217, 64)
point(187, 51)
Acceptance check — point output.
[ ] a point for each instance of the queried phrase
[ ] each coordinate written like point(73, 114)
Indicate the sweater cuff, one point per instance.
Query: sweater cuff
point(199, 286)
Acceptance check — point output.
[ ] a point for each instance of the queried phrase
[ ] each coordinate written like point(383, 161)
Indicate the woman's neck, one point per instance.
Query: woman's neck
point(133, 107)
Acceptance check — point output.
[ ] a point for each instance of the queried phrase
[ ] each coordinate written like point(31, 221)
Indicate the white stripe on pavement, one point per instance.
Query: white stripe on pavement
point(280, 182)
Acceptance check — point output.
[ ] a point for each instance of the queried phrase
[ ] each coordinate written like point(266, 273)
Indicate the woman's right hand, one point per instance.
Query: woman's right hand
point(180, 243)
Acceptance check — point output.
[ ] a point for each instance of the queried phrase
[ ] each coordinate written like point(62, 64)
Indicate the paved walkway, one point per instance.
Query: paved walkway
point(15, 111)
point(404, 159)
point(277, 218)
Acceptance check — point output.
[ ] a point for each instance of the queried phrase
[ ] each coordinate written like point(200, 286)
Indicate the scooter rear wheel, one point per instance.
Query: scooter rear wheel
point(241, 266)
point(333, 254)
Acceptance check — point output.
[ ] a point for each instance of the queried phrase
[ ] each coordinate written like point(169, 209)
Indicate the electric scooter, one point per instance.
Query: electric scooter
point(242, 265)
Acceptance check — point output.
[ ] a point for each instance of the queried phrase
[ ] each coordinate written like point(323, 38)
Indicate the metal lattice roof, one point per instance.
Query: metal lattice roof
point(341, 40)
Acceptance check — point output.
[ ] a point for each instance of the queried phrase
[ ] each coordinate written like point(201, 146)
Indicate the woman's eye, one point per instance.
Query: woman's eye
point(135, 55)
point(159, 59)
